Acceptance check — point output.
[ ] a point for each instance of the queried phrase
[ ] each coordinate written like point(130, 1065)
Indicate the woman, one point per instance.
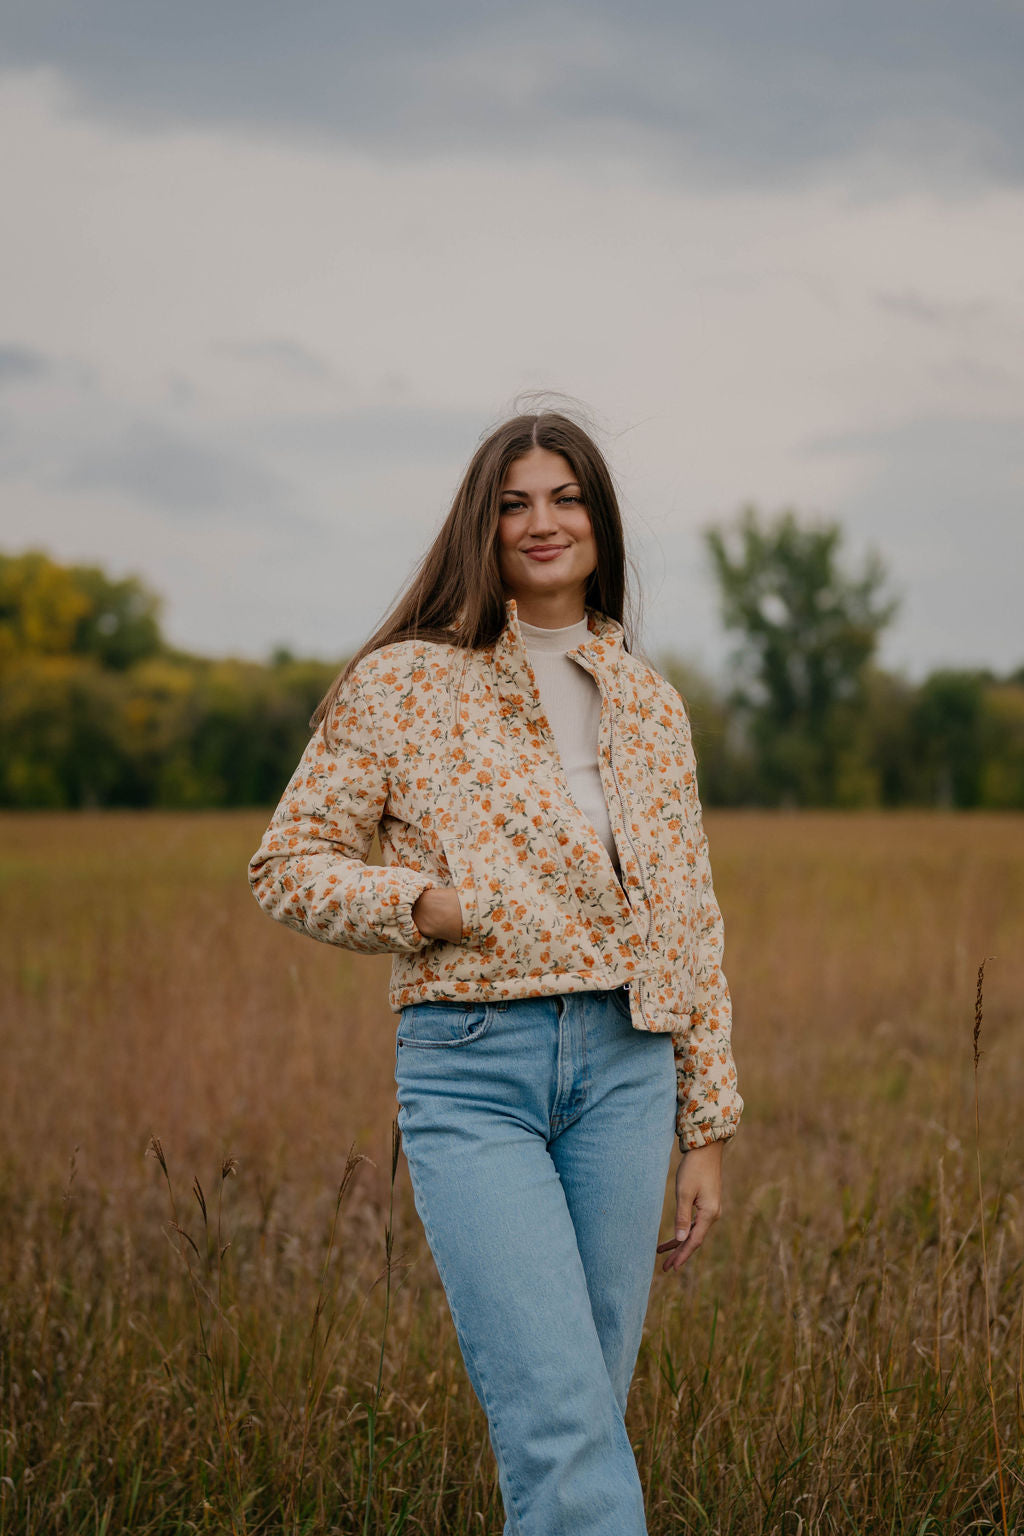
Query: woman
point(545, 890)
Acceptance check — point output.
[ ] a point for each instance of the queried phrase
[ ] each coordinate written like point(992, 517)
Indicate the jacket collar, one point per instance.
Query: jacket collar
point(603, 647)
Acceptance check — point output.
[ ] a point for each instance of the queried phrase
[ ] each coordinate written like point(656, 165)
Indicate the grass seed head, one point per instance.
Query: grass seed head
point(979, 1009)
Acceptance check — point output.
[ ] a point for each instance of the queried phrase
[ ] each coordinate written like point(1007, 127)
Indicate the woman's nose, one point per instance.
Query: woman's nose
point(541, 518)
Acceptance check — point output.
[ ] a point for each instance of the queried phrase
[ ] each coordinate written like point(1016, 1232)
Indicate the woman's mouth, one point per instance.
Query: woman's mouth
point(545, 551)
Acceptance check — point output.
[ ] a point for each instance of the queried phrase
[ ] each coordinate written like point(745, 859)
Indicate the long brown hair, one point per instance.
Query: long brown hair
point(455, 594)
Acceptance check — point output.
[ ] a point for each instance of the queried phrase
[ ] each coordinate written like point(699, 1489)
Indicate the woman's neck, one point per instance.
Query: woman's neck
point(556, 610)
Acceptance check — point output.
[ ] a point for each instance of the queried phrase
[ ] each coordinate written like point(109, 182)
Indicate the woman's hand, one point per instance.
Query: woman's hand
point(437, 913)
point(698, 1202)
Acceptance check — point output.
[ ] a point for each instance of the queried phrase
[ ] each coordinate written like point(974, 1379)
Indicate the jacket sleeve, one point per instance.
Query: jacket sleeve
point(709, 1101)
point(310, 870)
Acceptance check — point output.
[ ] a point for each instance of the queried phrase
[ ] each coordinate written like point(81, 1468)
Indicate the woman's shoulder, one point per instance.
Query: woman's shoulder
point(403, 663)
point(650, 681)
point(389, 682)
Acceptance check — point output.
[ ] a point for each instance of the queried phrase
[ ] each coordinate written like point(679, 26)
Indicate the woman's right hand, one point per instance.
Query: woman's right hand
point(437, 913)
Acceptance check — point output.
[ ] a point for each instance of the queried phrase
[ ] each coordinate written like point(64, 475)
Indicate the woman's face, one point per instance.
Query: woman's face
point(546, 548)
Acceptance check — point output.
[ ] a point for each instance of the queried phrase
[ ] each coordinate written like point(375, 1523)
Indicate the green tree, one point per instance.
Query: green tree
point(1002, 775)
point(724, 765)
point(41, 606)
point(60, 733)
point(808, 630)
point(48, 609)
point(948, 736)
point(968, 739)
point(886, 744)
point(121, 625)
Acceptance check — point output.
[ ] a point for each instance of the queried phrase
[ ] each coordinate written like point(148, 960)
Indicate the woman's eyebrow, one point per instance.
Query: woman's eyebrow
point(554, 491)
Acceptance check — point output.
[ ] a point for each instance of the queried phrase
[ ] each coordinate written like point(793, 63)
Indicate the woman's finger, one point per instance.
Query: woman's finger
point(684, 1248)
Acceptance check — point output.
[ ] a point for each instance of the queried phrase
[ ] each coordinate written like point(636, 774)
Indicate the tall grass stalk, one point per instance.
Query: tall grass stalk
point(979, 1014)
point(211, 1334)
point(51, 1278)
point(324, 1315)
point(373, 1409)
point(1020, 1377)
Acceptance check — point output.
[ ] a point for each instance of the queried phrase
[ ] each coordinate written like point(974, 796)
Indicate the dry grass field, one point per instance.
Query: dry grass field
point(230, 1349)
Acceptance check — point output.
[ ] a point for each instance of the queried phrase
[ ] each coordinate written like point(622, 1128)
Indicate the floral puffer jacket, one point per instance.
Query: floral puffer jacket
point(447, 755)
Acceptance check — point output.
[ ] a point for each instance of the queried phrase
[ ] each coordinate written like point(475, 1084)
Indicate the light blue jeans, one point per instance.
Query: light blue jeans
point(538, 1134)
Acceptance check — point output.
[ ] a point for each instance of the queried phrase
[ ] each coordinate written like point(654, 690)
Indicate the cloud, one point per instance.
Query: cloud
point(282, 355)
point(739, 89)
point(911, 305)
point(18, 365)
point(175, 473)
point(187, 459)
point(396, 435)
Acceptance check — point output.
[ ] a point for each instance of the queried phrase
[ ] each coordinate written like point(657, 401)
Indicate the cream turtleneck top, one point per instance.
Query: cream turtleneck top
point(572, 704)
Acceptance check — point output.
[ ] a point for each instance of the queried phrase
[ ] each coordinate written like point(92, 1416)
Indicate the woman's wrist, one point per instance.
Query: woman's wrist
point(437, 913)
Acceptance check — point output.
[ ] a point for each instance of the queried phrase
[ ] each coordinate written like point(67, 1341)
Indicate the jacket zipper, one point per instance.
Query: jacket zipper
point(636, 856)
point(560, 773)
point(625, 825)
point(632, 845)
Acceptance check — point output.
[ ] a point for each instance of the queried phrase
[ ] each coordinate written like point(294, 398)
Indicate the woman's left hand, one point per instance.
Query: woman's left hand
point(698, 1202)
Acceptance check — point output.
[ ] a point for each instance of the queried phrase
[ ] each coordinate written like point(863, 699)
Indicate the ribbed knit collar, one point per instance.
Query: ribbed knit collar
point(555, 641)
point(602, 644)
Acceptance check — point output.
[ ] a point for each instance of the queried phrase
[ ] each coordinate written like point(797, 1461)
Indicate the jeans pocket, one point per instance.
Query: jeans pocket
point(443, 1024)
point(620, 998)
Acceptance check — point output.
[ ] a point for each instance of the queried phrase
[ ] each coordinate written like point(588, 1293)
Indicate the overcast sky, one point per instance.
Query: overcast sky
point(267, 273)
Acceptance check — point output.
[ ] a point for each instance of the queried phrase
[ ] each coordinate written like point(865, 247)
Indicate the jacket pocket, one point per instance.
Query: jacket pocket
point(435, 1025)
point(464, 885)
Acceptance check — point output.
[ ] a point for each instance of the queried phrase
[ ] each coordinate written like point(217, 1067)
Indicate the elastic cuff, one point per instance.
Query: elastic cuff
point(413, 886)
point(703, 1135)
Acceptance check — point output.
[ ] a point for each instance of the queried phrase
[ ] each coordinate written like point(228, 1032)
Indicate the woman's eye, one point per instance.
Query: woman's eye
point(512, 506)
point(577, 499)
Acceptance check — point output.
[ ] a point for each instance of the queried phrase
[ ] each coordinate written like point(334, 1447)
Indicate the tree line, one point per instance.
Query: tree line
point(97, 709)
